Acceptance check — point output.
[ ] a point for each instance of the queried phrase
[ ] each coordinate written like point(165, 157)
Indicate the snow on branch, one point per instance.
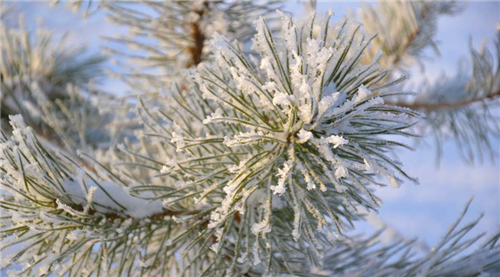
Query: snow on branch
point(55, 207)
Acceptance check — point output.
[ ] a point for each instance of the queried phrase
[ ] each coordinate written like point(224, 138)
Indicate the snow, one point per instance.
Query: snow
point(261, 227)
point(304, 136)
point(283, 99)
point(271, 86)
point(242, 258)
point(362, 94)
point(336, 140)
point(296, 222)
point(17, 121)
point(165, 169)
point(283, 174)
point(289, 31)
point(308, 179)
point(110, 197)
point(341, 172)
point(327, 102)
point(178, 140)
point(216, 115)
point(255, 252)
point(75, 234)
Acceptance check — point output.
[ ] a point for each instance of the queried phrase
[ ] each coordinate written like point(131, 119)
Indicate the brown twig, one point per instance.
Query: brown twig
point(444, 105)
point(412, 37)
point(196, 50)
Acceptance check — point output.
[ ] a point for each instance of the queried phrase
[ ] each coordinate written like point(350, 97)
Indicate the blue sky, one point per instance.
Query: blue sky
point(425, 210)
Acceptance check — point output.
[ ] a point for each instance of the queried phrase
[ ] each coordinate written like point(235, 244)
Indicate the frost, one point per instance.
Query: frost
point(283, 174)
point(17, 121)
point(170, 162)
point(168, 242)
point(283, 99)
point(309, 182)
point(243, 258)
point(271, 86)
point(165, 169)
point(255, 252)
point(341, 172)
point(296, 223)
point(329, 101)
point(233, 168)
point(216, 115)
point(304, 136)
point(336, 141)
point(261, 227)
point(75, 234)
point(362, 94)
point(121, 147)
point(178, 140)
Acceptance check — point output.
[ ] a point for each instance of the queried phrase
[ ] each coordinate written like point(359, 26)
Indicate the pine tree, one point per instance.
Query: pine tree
point(255, 144)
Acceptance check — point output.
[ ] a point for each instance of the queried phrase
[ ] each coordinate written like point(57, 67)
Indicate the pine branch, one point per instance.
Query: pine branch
point(180, 30)
point(370, 257)
point(270, 123)
point(459, 108)
point(71, 220)
point(250, 165)
point(42, 79)
point(436, 107)
point(408, 41)
point(90, 7)
point(404, 29)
